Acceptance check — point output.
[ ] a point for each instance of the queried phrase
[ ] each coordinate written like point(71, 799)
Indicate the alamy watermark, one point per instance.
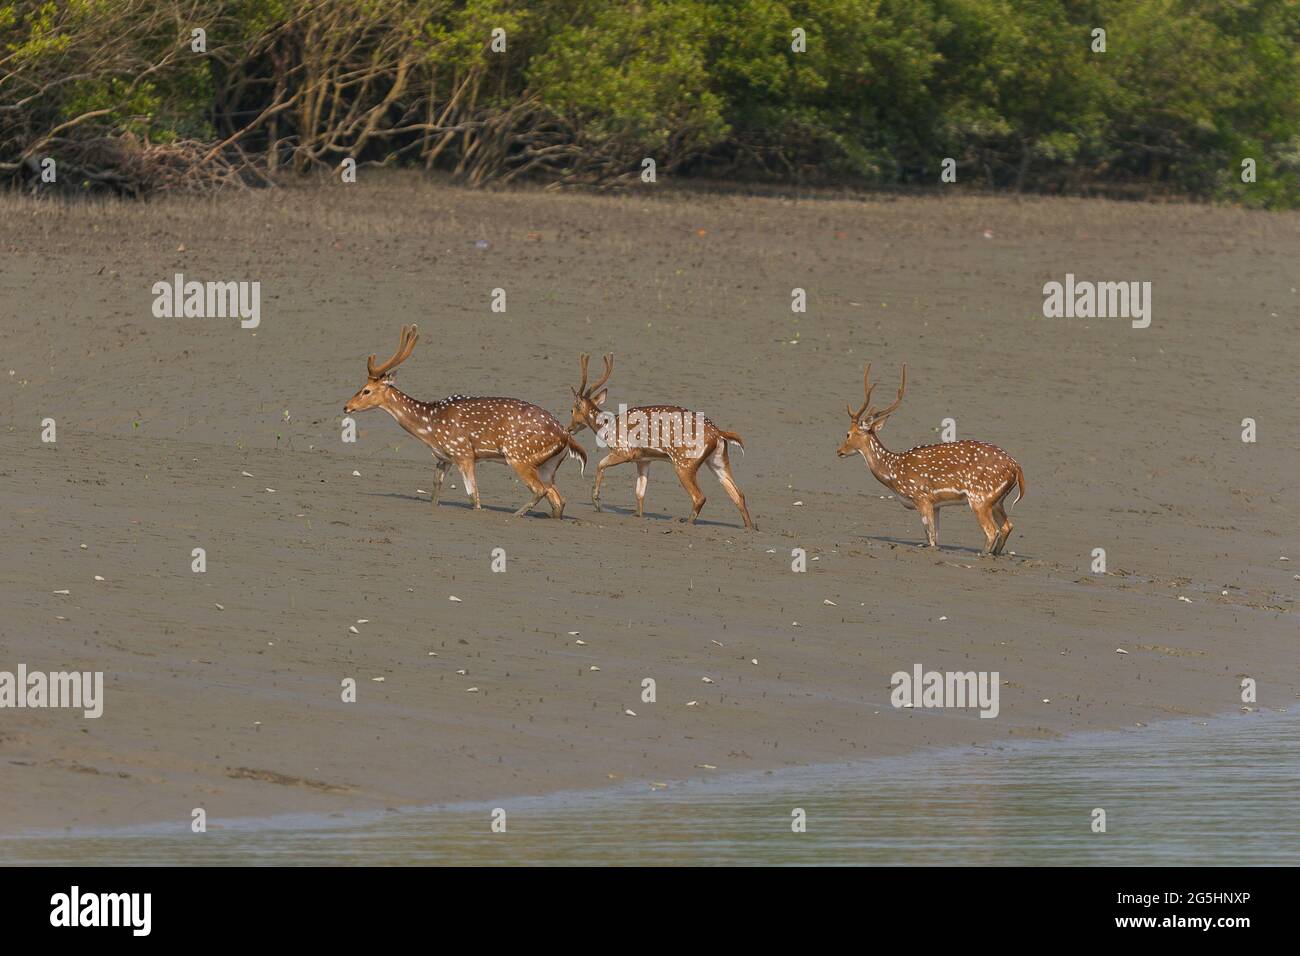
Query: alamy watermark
point(79, 690)
point(208, 300)
point(1098, 300)
point(922, 688)
point(75, 908)
point(658, 428)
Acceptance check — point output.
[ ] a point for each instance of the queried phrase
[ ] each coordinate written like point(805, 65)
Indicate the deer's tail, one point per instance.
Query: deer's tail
point(734, 439)
point(1020, 485)
point(577, 451)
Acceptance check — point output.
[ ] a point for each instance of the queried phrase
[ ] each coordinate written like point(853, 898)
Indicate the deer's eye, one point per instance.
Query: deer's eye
point(366, 392)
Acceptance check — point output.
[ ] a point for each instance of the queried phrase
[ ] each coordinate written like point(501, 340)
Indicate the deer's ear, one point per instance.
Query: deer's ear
point(599, 397)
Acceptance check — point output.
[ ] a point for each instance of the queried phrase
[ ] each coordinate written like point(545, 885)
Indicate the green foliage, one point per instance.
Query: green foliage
point(635, 75)
point(885, 90)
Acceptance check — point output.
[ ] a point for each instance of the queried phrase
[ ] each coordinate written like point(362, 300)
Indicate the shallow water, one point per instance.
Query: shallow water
point(1179, 793)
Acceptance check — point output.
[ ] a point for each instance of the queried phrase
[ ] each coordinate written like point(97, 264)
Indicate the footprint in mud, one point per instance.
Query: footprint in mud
point(270, 776)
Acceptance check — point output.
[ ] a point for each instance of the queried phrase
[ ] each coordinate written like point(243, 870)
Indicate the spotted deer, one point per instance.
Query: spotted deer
point(930, 477)
point(463, 430)
point(659, 433)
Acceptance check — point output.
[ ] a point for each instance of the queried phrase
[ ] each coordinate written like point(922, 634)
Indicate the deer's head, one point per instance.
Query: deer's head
point(379, 378)
point(587, 399)
point(866, 421)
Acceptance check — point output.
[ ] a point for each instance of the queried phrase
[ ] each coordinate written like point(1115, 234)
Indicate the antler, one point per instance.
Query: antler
point(866, 387)
point(404, 347)
point(609, 369)
point(583, 359)
point(881, 416)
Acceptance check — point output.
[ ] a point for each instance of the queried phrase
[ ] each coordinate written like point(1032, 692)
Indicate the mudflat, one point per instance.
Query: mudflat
point(223, 689)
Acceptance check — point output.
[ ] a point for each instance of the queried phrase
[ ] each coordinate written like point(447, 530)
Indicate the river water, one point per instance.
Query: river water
point(1222, 791)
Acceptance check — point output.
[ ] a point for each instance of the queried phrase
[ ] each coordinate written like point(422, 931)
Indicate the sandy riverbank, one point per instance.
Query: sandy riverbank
point(1130, 441)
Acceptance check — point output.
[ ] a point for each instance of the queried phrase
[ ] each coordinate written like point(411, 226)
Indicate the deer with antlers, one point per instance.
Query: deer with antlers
point(463, 430)
point(929, 477)
point(658, 433)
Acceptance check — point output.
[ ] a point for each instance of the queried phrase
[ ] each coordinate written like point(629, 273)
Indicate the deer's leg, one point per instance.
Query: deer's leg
point(642, 479)
point(613, 458)
point(984, 515)
point(439, 473)
point(925, 508)
point(547, 473)
point(557, 501)
point(1004, 527)
point(721, 467)
point(686, 474)
point(528, 472)
point(471, 486)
